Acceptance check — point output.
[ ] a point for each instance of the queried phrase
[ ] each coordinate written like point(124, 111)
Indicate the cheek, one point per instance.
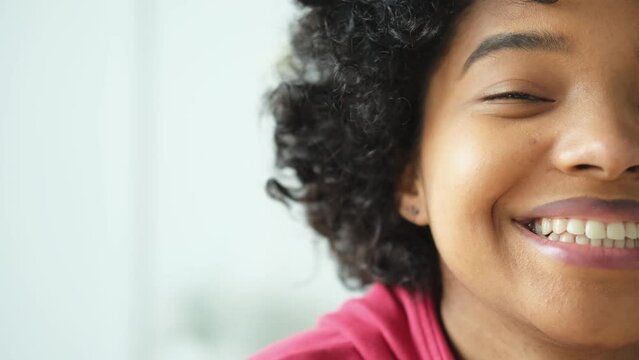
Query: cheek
point(468, 170)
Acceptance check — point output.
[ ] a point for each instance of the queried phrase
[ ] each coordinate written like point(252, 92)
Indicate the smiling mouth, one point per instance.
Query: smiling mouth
point(562, 244)
point(586, 232)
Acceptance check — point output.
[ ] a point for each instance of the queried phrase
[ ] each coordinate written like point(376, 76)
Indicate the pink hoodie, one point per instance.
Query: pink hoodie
point(386, 323)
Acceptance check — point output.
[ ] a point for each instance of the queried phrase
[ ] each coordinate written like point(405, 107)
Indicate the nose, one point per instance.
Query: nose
point(601, 143)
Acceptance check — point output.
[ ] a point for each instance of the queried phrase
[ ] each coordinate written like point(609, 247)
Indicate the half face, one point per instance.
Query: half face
point(531, 126)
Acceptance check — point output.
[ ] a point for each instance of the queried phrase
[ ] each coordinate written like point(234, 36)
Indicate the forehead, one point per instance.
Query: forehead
point(590, 26)
point(522, 9)
point(486, 16)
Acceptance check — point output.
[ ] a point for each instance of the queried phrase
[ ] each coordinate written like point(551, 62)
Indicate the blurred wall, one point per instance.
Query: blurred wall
point(133, 218)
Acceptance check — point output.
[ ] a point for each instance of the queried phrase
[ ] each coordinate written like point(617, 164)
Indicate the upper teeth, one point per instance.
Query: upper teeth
point(593, 232)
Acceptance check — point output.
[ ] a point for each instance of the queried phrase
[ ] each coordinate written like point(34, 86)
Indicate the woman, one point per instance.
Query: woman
point(478, 163)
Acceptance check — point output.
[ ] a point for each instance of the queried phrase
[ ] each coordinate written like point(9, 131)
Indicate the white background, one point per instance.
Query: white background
point(133, 218)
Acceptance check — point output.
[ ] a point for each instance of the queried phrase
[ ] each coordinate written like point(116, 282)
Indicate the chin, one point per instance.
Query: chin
point(604, 328)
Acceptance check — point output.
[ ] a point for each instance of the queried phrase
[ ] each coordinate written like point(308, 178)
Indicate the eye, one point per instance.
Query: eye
point(517, 96)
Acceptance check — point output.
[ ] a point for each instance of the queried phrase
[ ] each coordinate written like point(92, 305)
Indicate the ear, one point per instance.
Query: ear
point(411, 196)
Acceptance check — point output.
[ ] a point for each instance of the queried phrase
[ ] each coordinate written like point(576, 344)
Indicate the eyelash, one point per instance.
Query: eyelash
point(516, 95)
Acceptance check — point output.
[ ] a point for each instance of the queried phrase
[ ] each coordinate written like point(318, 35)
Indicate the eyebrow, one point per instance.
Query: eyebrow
point(520, 41)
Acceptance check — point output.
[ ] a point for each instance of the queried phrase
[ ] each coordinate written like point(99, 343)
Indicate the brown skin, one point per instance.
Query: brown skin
point(483, 163)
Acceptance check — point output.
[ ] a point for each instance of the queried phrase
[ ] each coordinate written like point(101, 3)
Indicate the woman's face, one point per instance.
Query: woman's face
point(568, 130)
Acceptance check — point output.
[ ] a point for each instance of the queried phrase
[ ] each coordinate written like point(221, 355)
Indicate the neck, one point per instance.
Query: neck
point(478, 331)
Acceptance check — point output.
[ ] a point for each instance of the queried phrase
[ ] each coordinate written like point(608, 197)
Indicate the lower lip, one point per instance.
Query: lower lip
point(583, 255)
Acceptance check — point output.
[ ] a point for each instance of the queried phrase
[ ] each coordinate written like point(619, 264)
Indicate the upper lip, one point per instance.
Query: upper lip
point(614, 210)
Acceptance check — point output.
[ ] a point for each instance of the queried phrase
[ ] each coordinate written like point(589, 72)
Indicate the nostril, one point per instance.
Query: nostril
point(582, 167)
point(634, 169)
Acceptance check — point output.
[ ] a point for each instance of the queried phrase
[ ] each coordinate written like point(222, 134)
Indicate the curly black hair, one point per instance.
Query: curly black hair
point(348, 120)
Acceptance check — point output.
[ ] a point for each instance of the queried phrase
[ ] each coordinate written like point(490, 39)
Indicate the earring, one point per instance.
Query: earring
point(414, 210)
